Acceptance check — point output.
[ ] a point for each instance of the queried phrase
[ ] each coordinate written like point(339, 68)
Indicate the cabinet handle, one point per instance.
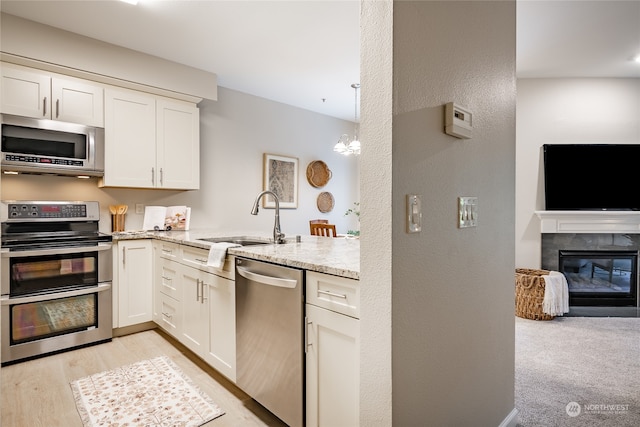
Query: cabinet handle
point(153, 176)
point(197, 289)
point(332, 294)
point(204, 261)
point(167, 315)
point(161, 177)
point(57, 108)
point(307, 344)
point(124, 257)
point(167, 278)
point(202, 297)
point(44, 106)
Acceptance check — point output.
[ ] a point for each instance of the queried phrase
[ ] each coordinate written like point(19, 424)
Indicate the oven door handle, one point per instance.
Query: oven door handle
point(57, 251)
point(102, 287)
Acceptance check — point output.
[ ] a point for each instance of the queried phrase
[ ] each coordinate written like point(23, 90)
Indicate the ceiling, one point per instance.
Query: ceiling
point(306, 53)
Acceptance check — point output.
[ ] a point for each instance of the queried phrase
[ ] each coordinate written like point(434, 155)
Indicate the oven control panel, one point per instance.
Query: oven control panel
point(50, 211)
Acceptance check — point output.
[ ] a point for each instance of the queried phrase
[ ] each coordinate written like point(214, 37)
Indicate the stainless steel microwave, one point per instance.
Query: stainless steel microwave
point(51, 147)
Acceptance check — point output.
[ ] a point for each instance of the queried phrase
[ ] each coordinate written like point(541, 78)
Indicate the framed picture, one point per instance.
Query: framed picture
point(280, 176)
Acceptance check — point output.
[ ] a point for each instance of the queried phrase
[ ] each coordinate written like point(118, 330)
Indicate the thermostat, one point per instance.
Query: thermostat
point(457, 121)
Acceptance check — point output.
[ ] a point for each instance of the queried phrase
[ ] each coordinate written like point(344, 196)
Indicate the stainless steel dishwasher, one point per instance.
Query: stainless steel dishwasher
point(270, 337)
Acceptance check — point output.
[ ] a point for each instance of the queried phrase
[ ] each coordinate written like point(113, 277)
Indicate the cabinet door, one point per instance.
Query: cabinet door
point(25, 92)
point(221, 351)
point(76, 101)
point(178, 145)
point(333, 368)
point(130, 139)
point(135, 283)
point(195, 309)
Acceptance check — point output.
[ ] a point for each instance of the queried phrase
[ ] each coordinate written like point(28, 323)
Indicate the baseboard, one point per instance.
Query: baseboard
point(119, 332)
point(511, 420)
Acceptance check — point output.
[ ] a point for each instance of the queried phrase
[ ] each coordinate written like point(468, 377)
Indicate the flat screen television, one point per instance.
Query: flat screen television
point(592, 177)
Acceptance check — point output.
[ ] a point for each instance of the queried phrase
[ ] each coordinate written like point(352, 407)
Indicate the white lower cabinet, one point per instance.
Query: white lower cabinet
point(195, 314)
point(167, 293)
point(134, 262)
point(195, 306)
point(168, 314)
point(333, 351)
point(221, 353)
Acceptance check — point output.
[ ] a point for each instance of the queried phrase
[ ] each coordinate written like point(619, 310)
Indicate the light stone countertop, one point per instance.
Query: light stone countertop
point(337, 256)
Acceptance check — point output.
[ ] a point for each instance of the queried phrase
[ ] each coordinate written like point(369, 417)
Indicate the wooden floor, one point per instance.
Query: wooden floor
point(36, 393)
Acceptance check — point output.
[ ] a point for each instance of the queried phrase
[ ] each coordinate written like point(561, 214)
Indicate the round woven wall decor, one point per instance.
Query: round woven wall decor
point(318, 174)
point(325, 202)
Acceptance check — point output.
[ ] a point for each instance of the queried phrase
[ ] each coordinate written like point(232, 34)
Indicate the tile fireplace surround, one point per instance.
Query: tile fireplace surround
point(587, 231)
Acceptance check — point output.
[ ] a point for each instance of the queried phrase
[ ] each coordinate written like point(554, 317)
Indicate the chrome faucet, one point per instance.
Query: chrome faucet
point(278, 236)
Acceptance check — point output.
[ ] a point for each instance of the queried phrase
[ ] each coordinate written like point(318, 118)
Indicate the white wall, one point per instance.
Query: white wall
point(564, 111)
point(452, 289)
point(235, 131)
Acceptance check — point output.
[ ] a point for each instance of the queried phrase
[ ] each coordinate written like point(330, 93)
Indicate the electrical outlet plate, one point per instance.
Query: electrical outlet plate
point(467, 212)
point(139, 208)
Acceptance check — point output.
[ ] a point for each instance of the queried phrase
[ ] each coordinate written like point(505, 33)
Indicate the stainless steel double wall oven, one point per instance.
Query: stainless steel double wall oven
point(55, 278)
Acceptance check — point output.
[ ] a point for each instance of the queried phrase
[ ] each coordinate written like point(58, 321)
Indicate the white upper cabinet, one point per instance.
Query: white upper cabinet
point(178, 144)
point(150, 141)
point(130, 139)
point(33, 93)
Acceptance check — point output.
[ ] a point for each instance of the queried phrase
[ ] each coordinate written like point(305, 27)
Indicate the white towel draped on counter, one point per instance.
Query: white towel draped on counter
point(556, 294)
point(218, 253)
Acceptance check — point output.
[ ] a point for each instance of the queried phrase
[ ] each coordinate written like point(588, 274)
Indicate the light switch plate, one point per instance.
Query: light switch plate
point(467, 212)
point(414, 213)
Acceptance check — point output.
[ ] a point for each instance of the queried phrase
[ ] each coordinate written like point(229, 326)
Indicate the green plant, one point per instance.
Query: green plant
point(355, 210)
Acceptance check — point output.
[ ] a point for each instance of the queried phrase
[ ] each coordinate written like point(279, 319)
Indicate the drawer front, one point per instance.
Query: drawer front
point(168, 250)
point(198, 258)
point(169, 280)
point(334, 293)
point(169, 314)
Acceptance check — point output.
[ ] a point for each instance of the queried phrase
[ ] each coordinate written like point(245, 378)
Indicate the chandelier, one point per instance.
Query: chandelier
point(347, 145)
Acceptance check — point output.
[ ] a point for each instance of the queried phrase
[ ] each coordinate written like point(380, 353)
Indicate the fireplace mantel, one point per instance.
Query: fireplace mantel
point(589, 221)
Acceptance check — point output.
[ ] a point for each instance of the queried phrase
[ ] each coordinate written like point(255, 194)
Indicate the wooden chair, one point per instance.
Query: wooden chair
point(326, 230)
point(317, 221)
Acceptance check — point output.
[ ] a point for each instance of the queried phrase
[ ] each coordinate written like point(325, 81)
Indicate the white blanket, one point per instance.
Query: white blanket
point(556, 294)
point(218, 253)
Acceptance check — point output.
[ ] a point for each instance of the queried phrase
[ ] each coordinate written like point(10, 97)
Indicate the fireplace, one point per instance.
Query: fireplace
point(600, 278)
point(601, 268)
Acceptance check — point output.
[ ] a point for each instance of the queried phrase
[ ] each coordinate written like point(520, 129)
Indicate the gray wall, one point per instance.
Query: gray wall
point(452, 289)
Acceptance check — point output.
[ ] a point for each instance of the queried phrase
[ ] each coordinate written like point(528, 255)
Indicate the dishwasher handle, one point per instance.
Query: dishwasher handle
point(266, 280)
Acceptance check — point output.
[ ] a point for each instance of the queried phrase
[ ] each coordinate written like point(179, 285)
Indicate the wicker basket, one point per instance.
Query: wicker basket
point(530, 294)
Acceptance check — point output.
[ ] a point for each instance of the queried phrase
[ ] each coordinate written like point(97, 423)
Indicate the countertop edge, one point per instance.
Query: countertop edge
point(269, 253)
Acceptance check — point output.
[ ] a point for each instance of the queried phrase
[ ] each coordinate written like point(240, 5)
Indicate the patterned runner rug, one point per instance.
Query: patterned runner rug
point(152, 392)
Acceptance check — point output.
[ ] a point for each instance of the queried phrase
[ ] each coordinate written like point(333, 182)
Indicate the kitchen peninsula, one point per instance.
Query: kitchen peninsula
point(165, 279)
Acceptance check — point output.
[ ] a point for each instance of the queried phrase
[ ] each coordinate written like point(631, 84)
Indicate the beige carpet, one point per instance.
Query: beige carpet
point(152, 392)
point(578, 372)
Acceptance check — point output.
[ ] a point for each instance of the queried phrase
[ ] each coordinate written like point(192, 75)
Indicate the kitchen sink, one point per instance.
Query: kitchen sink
point(241, 240)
